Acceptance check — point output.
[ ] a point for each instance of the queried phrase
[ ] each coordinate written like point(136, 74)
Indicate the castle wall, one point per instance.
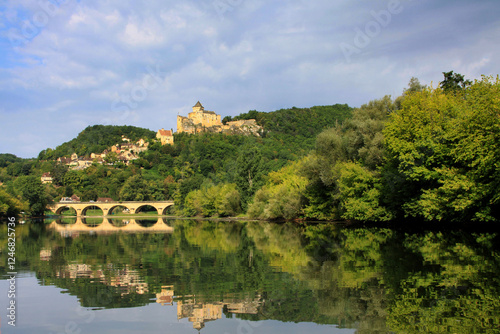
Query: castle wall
point(200, 120)
point(205, 119)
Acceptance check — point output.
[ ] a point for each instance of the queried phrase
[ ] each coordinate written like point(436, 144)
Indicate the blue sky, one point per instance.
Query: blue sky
point(67, 64)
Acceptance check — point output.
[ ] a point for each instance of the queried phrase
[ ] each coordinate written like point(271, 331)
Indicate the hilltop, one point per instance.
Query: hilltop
point(294, 124)
point(172, 171)
point(95, 139)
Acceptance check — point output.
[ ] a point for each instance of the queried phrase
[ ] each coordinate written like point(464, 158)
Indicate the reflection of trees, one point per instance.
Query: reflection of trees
point(348, 275)
point(458, 289)
point(282, 245)
point(375, 279)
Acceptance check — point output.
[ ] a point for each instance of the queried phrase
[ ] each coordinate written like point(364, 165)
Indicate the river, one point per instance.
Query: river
point(184, 276)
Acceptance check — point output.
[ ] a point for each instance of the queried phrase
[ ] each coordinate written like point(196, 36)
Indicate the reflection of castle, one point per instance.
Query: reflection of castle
point(127, 280)
point(199, 312)
point(166, 296)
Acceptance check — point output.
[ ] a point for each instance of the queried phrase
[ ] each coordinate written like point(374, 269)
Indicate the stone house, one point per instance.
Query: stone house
point(46, 178)
point(165, 137)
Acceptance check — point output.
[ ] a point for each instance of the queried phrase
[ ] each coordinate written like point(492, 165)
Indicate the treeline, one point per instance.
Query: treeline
point(431, 154)
point(195, 163)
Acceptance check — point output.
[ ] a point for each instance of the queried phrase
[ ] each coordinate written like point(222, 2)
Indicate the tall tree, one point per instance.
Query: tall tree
point(454, 82)
point(9, 205)
point(443, 154)
point(250, 168)
point(33, 191)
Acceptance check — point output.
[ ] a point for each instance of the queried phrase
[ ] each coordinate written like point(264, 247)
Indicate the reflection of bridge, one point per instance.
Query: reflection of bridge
point(107, 227)
point(108, 207)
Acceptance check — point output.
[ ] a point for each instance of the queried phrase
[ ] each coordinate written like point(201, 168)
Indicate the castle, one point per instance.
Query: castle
point(197, 120)
point(201, 120)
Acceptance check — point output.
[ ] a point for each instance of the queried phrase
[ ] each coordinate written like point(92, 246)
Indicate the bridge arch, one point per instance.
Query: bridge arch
point(81, 208)
point(112, 209)
point(140, 207)
point(93, 207)
point(60, 209)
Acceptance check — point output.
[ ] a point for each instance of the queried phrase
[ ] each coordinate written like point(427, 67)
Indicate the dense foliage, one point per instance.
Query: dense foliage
point(443, 152)
point(95, 139)
point(194, 163)
point(430, 154)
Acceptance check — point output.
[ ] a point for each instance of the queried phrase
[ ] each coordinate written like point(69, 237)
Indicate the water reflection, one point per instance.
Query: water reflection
point(375, 280)
point(198, 312)
point(72, 227)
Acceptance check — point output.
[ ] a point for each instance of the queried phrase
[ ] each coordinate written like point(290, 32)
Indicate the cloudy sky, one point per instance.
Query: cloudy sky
point(67, 64)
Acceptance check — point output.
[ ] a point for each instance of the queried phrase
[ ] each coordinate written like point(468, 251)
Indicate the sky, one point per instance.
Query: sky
point(68, 64)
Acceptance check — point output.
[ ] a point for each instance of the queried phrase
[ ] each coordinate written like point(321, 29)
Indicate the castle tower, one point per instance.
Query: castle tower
point(198, 107)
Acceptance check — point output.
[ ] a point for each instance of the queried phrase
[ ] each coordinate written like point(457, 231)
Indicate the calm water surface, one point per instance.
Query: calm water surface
point(183, 276)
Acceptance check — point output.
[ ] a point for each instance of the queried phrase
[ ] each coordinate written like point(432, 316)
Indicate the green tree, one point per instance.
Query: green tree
point(58, 172)
point(359, 140)
point(443, 151)
point(135, 189)
point(454, 82)
point(359, 193)
point(9, 205)
point(281, 196)
point(250, 168)
point(221, 200)
point(33, 191)
point(413, 86)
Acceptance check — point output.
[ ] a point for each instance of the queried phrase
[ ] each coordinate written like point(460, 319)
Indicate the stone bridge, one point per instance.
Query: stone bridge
point(131, 226)
point(108, 207)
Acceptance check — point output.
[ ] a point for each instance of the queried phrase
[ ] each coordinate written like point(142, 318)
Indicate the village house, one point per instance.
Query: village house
point(105, 199)
point(165, 137)
point(46, 178)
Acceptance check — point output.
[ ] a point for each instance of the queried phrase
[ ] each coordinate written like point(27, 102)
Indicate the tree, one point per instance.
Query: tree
point(111, 158)
point(9, 205)
point(135, 189)
point(454, 82)
point(221, 200)
point(281, 196)
point(443, 153)
point(33, 191)
point(414, 86)
point(58, 172)
point(250, 167)
point(359, 193)
point(360, 141)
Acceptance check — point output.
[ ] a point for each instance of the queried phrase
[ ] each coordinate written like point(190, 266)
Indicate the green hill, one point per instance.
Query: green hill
point(95, 139)
point(195, 161)
point(304, 122)
point(6, 159)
